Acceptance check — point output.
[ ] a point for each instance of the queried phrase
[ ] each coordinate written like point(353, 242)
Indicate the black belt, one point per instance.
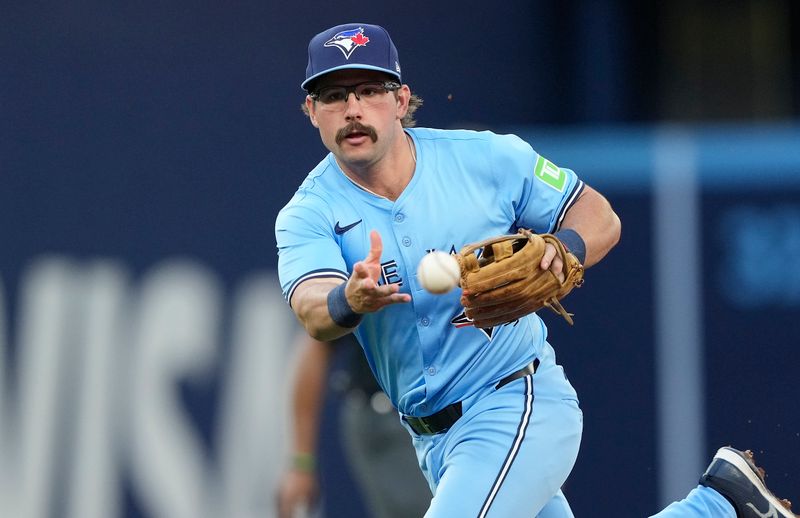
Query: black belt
point(442, 420)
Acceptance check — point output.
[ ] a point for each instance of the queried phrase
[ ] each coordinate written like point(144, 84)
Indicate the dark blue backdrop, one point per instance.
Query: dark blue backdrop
point(146, 131)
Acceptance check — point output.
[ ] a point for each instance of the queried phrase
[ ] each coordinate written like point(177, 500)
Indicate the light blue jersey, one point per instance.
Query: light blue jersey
point(513, 446)
point(467, 186)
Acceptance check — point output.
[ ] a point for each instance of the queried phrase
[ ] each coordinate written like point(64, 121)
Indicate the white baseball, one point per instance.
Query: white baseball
point(438, 272)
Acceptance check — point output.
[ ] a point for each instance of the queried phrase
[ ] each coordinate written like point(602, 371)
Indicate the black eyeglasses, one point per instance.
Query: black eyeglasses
point(370, 92)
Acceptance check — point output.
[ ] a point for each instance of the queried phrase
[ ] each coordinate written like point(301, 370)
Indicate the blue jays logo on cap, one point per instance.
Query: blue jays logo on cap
point(348, 41)
point(375, 51)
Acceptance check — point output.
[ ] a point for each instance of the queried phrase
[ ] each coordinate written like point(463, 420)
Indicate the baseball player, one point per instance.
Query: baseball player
point(495, 423)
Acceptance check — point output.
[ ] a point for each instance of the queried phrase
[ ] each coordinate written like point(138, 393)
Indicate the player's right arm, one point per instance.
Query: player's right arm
point(313, 302)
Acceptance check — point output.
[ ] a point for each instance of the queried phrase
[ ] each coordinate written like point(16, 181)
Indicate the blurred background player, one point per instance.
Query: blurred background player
point(377, 448)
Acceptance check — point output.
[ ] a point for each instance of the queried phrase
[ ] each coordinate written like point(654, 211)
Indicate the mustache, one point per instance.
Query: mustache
point(356, 127)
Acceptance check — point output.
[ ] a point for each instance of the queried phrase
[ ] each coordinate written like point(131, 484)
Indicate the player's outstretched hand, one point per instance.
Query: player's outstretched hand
point(363, 292)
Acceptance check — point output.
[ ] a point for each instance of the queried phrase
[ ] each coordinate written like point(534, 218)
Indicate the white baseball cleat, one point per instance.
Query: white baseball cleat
point(735, 476)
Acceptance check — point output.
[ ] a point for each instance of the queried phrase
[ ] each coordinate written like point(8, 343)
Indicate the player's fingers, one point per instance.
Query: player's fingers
point(388, 289)
point(363, 271)
point(557, 267)
point(373, 297)
point(375, 247)
point(373, 290)
point(547, 258)
point(399, 298)
point(394, 298)
point(360, 270)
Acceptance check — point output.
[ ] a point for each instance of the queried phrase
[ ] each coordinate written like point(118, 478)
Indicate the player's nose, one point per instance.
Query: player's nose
point(352, 106)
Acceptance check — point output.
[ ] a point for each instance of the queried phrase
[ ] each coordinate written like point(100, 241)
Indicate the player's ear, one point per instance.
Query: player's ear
point(403, 98)
point(310, 111)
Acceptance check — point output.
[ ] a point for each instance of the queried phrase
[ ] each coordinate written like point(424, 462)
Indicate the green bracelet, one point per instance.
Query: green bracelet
point(305, 462)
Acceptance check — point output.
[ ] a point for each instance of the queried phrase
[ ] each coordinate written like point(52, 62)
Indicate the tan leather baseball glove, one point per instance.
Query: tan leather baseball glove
point(505, 281)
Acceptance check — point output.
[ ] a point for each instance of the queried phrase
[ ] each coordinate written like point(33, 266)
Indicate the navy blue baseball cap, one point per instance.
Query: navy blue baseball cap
point(352, 45)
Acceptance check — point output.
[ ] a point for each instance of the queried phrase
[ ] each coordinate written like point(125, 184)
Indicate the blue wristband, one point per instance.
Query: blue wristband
point(341, 312)
point(573, 242)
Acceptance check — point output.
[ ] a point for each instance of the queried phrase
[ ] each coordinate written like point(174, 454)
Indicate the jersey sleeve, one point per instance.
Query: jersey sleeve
point(306, 247)
point(540, 191)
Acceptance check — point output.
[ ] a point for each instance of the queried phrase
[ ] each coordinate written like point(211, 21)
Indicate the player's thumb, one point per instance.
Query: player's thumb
point(547, 257)
point(375, 247)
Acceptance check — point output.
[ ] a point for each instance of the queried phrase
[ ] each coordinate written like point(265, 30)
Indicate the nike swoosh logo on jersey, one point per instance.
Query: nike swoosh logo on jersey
point(341, 230)
point(771, 512)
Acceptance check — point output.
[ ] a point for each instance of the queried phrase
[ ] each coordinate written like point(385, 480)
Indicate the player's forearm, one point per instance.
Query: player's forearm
point(593, 218)
point(310, 304)
point(308, 393)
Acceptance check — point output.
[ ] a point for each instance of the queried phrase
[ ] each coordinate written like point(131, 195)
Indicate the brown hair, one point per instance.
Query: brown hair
point(407, 121)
